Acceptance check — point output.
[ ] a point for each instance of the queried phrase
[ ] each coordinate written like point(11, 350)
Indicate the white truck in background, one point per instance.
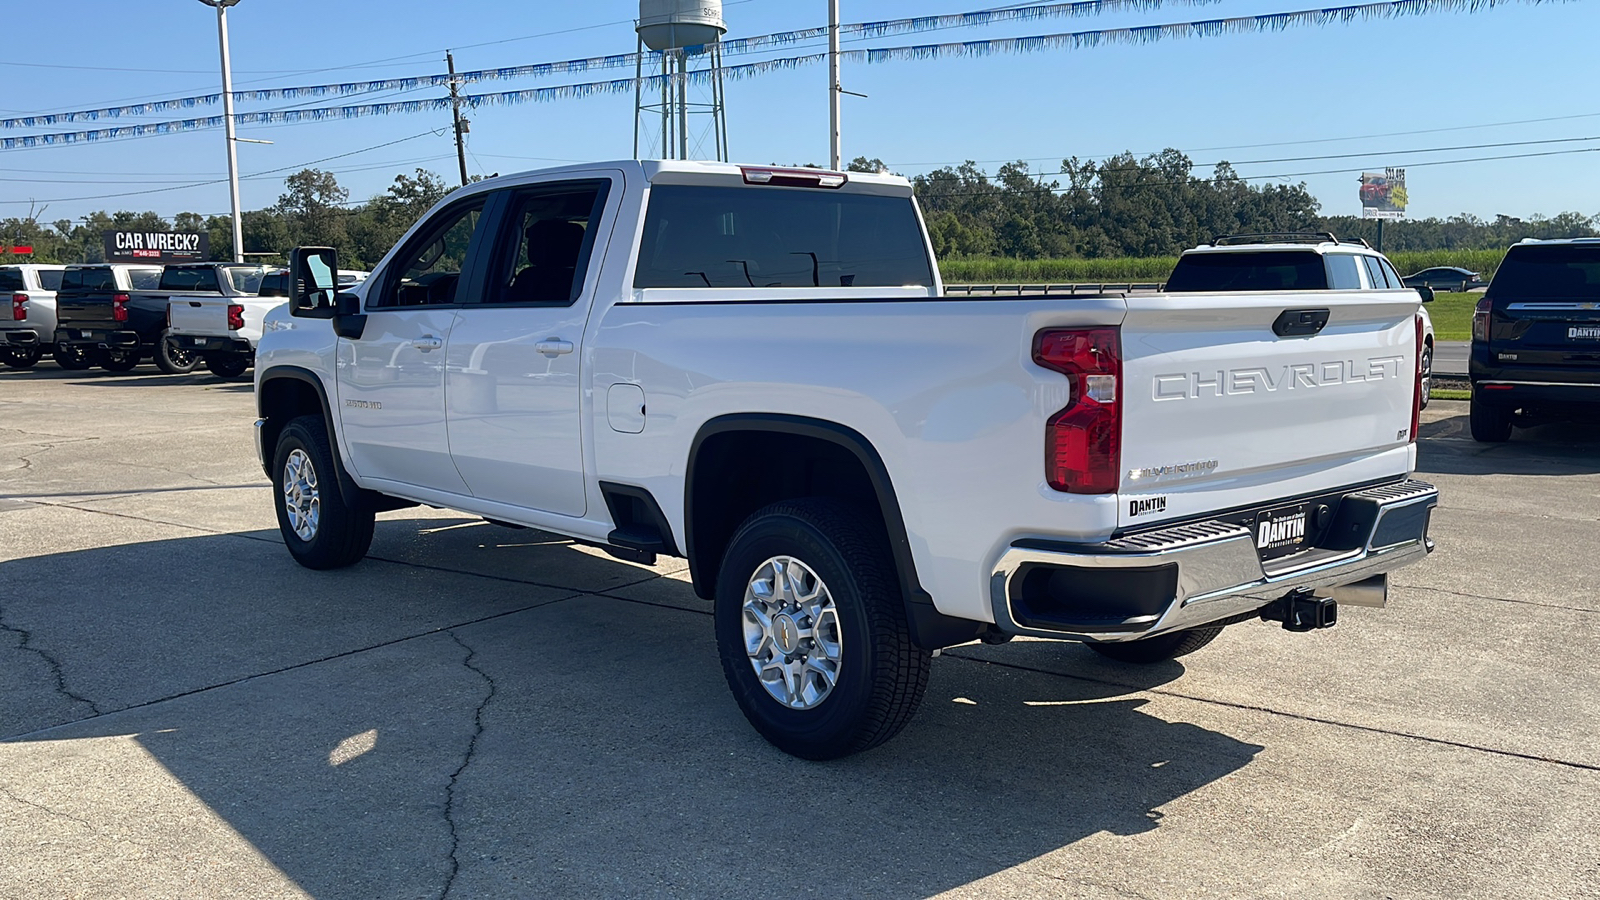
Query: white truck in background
point(756, 368)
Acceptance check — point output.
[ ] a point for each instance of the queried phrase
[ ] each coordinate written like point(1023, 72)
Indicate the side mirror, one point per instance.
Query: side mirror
point(313, 282)
point(1427, 293)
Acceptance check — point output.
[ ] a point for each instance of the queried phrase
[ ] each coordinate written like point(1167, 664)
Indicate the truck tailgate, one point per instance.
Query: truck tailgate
point(1222, 412)
point(203, 317)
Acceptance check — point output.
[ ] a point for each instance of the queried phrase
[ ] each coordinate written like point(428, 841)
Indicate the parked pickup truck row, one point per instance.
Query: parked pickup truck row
point(756, 369)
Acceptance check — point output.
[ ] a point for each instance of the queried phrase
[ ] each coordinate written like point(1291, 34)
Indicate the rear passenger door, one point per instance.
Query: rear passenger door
point(515, 394)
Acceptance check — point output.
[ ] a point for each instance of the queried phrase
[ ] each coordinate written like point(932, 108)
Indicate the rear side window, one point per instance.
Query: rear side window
point(1344, 272)
point(49, 279)
point(1560, 272)
point(189, 280)
point(730, 237)
point(93, 279)
point(11, 280)
point(1271, 270)
point(1380, 280)
point(247, 279)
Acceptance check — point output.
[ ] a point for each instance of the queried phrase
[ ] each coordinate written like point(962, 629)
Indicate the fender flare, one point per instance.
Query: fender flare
point(930, 629)
point(349, 491)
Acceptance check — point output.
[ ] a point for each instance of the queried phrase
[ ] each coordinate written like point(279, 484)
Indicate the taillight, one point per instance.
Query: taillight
point(19, 307)
point(235, 317)
point(1480, 320)
point(119, 307)
point(1416, 395)
point(1083, 442)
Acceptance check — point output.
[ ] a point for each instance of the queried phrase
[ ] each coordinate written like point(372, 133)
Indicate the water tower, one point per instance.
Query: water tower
point(684, 33)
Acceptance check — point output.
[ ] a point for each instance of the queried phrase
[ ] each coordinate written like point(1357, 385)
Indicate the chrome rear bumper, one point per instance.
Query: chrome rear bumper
point(1218, 572)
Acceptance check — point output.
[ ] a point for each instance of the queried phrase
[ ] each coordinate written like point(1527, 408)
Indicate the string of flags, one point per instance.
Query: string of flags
point(1072, 41)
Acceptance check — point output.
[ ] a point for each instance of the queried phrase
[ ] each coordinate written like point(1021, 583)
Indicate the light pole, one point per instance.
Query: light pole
point(835, 145)
point(227, 115)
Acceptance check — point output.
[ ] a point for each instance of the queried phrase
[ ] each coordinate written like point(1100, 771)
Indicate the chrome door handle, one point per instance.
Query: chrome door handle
point(428, 342)
point(554, 347)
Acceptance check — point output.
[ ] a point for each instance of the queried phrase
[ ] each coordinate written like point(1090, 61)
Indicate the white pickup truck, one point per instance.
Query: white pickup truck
point(215, 313)
point(755, 368)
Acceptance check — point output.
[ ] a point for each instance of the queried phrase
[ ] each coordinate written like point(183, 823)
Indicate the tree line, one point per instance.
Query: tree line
point(1125, 206)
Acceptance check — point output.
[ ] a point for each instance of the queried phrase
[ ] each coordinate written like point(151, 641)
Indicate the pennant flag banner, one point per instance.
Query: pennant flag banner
point(650, 60)
point(1078, 40)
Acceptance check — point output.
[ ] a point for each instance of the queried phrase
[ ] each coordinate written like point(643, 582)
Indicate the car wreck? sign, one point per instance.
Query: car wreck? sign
point(157, 246)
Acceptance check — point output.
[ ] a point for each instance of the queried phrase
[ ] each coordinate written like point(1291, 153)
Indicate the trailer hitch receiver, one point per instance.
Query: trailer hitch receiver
point(1299, 610)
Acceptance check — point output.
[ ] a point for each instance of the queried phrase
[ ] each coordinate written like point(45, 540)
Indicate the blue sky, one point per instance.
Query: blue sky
point(1308, 92)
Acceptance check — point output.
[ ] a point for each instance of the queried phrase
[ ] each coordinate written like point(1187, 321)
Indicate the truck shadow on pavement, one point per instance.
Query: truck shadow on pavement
point(1446, 447)
point(409, 728)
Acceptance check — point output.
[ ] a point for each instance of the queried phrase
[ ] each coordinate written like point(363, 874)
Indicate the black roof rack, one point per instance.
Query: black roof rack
point(1283, 237)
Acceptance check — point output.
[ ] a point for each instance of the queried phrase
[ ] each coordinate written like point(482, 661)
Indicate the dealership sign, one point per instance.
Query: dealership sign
point(157, 246)
point(1383, 194)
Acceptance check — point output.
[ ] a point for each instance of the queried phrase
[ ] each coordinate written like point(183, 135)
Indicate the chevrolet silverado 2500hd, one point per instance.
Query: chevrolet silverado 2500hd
point(755, 368)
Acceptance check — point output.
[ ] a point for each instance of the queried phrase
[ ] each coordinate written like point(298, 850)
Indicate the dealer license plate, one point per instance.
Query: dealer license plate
point(1282, 531)
point(1583, 333)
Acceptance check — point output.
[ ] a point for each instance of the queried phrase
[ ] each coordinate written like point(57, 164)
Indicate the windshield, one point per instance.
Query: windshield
point(1269, 270)
point(730, 237)
point(1559, 272)
point(246, 279)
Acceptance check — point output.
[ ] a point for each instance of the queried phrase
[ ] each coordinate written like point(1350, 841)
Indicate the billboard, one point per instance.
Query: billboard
point(157, 246)
point(1383, 194)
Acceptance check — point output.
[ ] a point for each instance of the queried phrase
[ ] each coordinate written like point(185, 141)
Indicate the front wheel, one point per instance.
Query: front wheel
point(1162, 647)
point(321, 530)
point(812, 631)
point(21, 357)
point(1490, 424)
point(227, 365)
point(71, 356)
point(173, 360)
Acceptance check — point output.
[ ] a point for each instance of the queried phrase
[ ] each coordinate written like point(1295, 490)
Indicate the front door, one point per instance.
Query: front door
point(514, 396)
point(392, 380)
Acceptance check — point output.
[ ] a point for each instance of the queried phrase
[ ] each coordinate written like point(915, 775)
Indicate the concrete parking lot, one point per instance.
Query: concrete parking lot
point(476, 711)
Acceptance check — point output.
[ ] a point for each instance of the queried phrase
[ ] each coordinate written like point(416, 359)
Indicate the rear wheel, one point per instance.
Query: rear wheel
point(227, 365)
point(1427, 374)
point(117, 360)
point(21, 357)
point(71, 356)
point(1160, 648)
point(321, 530)
point(812, 631)
point(173, 360)
point(1490, 424)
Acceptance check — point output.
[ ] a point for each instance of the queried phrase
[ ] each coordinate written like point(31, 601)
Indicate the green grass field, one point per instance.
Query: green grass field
point(1452, 316)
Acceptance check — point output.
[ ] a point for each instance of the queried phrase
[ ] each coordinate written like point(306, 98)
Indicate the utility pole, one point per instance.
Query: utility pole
point(227, 116)
point(455, 108)
point(835, 89)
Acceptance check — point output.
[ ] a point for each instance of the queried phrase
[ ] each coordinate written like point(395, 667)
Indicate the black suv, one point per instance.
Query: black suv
point(1536, 338)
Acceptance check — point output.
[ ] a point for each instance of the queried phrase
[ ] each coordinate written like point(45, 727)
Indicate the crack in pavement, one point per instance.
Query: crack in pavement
point(50, 662)
point(466, 760)
point(1423, 587)
point(56, 813)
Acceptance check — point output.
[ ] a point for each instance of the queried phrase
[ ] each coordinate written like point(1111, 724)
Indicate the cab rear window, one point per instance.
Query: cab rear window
point(730, 237)
point(204, 279)
point(96, 279)
point(1271, 270)
point(1559, 272)
point(11, 280)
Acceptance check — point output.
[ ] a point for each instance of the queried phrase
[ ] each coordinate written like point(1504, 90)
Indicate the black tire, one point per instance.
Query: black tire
point(116, 360)
point(881, 674)
point(342, 533)
point(21, 357)
point(174, 360)
point(72, 357)
point(227, 365)
point(1490, 424)
point(1160, 648)
point(1427, 374)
